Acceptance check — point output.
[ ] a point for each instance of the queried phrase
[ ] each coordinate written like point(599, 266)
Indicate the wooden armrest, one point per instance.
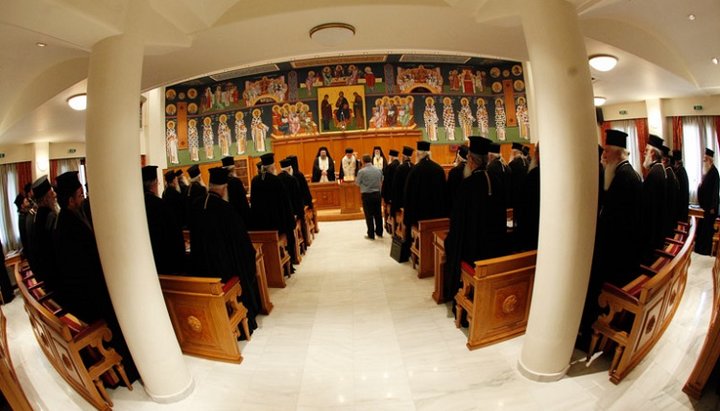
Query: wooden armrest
point(663, 253)
point(674, 241)
point(467, 267)
point(35, 285)
point(230, 283)
point(647, 269)
point(45, 297)
point(88, 334)
point(75, 325)
point(619, 293)
point(633, 287)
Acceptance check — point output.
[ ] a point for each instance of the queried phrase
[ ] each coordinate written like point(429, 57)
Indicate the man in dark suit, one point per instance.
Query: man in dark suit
point(683, 185)
point(708, 199)
point(653, 204)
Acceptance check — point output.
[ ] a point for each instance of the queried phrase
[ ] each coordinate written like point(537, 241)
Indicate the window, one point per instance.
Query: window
point(629, 127)
point(10, 233)
point(698, 133)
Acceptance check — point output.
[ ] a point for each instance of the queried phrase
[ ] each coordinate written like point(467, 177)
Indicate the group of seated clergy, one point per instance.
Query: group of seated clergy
point(475, 196)
point(219, 217)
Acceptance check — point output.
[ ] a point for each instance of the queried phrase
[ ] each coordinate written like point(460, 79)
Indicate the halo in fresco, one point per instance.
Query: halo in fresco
point(192, 108)
point(494, 72)
point(192, 93)
point(506, 73)
point(181, 96)
point(170, 94)
point(170, 109)
point(516, 70)
point(496, 87)
point(519, 85)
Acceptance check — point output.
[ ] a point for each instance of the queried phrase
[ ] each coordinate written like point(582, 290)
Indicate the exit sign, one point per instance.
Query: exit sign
point(697, 107)
point(622, 112)
point(72, 150)
point(2, 155)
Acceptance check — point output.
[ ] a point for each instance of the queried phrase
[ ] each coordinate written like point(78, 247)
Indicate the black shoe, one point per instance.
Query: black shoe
point(379, 235)
point(367, 237)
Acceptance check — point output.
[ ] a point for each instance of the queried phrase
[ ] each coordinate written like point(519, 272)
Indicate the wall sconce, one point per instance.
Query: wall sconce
point(78, 102)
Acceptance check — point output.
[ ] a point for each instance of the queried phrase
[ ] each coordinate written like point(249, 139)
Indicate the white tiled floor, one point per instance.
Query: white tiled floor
point(354, 330)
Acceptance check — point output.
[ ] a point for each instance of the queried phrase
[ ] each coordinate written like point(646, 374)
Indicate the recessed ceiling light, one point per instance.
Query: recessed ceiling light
point(78, 102)
point(603, 62)
point(715, 60)
point(599, 101)
point(691, 17)
point(40, 44)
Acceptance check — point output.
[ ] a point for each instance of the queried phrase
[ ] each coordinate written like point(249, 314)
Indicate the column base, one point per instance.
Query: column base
point(538, 376)
point(176, 397)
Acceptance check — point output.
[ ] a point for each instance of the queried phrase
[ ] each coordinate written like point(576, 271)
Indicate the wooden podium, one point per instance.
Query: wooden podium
point(350, 201)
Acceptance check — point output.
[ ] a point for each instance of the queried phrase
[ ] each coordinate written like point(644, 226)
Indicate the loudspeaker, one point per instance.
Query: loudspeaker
point(599, 115)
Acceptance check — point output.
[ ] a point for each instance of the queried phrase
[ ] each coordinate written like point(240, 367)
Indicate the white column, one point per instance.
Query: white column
point(569, 181)
point(113, 150)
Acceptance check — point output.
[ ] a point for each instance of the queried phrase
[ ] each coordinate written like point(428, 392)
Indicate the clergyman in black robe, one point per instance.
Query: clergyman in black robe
point(237, 195)
point(302, 182)
point(43, 263)
point(708, 198)
point(501, 175)
point(166, 238)
point(529, 216)
point(672, 188)
point(323, 167)
point(173, 197)
point(683, 186)
point(519, 169)
point(455, 177)
point(654, 195)
point(220, 243)
point(378, 158)
point(196, 190)
point(469, 237)
point(388, 176)
point(397, 190)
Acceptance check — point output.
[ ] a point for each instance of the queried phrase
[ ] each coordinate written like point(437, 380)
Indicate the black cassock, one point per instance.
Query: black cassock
point(43, 263)
point(469, 238)
point(388, 176)
point(683, 193)
point(304, 188)
point(501, 175)
point(317, 173)
point(176, 201)
point(166, 238)
point(424, 189)
point(397, 190)
point(271, 209)
point(529, 217)
point(654, 211)
point(708, 199)
point(221, 247)
point(194, 192)
point(519, 170)
point(237, 197)
point(293, 189)
point(672, 188)
point(455, 177)
point(80, 284)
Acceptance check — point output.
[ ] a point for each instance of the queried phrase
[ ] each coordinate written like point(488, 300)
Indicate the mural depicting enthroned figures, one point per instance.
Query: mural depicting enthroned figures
point(293, 120)
point(265, 90)
point(393, 112)
point(410, 79)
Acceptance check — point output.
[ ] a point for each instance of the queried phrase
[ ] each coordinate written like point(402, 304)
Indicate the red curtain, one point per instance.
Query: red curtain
point(677, 132)
point(54, 166)
point(643, 135)
point(605, 126)
point(24, 173)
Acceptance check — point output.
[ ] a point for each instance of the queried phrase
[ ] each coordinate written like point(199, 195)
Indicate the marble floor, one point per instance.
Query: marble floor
point(354, 330)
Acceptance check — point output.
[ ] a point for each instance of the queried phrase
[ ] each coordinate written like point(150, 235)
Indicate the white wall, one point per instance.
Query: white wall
point(65, 150)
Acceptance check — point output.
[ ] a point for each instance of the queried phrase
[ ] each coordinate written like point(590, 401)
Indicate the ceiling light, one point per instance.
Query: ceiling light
point(599, 101)
point(40, 44)
point(78, 102)
point(603, 62)
point(332, 34)
point(691, 17)
point(715, 60)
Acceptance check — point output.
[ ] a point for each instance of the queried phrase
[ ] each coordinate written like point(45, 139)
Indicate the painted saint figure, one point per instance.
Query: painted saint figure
point(258, 131)
point(482, 118)
point(240, 132)
point(465, 118)
point(431, 119)
point(224, 136)
point(172, 143)
point(369, 78)
point(500, 119)
point(449, 119)
point(310, 82)
point(208, 136)
point(193, 140)
point(358, 110)
point(523, 118)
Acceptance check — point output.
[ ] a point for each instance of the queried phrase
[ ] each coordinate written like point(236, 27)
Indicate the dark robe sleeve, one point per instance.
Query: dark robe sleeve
point(654, 211)
point(237, 196)
point(166, 236)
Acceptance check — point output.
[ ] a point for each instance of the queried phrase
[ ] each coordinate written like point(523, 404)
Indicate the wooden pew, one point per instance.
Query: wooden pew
point(9, 383)
point(439, 265)
point(275, 256)
point(640, 311)
point(711, 347)
point(66, 341)
point(265, 305)
point(422, 252)
point(309, 226)
point(299, 242)
point(496, 295)
point(205, 314)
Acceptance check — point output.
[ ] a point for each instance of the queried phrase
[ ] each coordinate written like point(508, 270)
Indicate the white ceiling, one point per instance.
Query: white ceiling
point(662, 53)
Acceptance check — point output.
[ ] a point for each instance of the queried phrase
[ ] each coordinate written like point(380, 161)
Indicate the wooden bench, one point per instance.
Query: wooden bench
point(275, 256)
point(640, 311)
point(206, 314)
point(310, 224)
point(9, 383)
point(299, 242)
point(439, 265)
point(496, 295)
point(422, 252)
point(75, 349)
point(710, 351)
point(265, 305)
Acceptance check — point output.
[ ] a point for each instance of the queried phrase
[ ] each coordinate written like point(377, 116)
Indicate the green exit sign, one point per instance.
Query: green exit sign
point(622, 112)
point(72, 150)
point(2, 155)
point(697, 107)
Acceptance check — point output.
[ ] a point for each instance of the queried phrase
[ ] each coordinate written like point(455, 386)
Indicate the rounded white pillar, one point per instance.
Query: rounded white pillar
point(569, 183)
point(118, 208)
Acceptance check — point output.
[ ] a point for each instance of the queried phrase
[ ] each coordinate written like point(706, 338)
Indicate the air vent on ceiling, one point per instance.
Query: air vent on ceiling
point(244, 72)
point(433, 58)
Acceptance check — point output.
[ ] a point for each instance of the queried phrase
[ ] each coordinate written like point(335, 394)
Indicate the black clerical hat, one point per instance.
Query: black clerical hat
point(462, 151)
point(666, 151)
point(377, 148)
point(423, 146)
point(615, 138)
point(27, 187)
point(407, 151)
point(656, 142)
point(19, 199)
point(494, 148)
point(218, 175)
point(517, 146)
point(170, 176)
point(267, 159)
point(677, 155)
point(526, 150)
point(40, 187)
point(193, 171)
point(149, 173)
point(348, 150)
point(709, 152)
point(479, 145)
point(293, 161)
point(67, 184)
point(285, 163)
point(393, 153)
point(228, 161)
